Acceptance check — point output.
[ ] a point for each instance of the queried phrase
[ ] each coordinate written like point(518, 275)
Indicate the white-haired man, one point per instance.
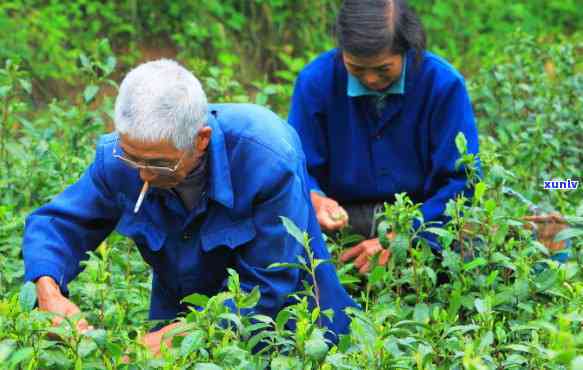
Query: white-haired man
point(200, 188)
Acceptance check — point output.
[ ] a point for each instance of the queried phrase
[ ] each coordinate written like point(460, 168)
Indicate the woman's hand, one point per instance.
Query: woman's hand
point(547, 227)
point(331, 216)
point(153, 340)
point(364, 251)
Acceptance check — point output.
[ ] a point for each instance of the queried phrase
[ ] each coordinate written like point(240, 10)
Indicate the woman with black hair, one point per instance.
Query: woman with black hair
point(378, 116)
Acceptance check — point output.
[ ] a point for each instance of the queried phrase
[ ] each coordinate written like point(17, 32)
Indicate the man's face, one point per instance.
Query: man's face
point(377, 72)
point(163, 154)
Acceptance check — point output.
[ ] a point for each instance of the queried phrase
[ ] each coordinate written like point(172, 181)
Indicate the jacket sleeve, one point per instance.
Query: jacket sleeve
point(58, 235)
point(282, 195)
point(307, 117)
point(452, 114)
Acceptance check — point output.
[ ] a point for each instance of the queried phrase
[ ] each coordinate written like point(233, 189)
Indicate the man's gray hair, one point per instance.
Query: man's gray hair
point(161, 100)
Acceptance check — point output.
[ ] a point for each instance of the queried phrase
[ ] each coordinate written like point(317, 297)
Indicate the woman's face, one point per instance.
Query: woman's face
point(377, 72)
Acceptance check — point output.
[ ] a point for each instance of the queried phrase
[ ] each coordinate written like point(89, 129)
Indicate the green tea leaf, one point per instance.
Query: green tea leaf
point(196, 299)
point(481, 305)
point(569, 233)
point(486, 341)
point(286, 265)
point(207, 366)
point(282, 318)
point(479, 191)
point(90, 92)
point(26, 85)
point(421, 313)
point(316, 347)
point(293, 230)
point(21, 355)
point(27, 297)
point(577, 363)
point(399, 248)
point(98, 335)
point(250, 300)
point(7, 346)
point(461, 143)
point(440, 232)
point(191, 342)
point(478, 262)
point(285, 363)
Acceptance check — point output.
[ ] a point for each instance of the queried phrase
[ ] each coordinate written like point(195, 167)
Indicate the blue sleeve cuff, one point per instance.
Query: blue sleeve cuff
point(318, 191)
point(314, 186)
point(46, 268)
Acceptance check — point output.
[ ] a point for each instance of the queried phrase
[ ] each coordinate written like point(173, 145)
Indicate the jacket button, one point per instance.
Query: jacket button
point(187, 236)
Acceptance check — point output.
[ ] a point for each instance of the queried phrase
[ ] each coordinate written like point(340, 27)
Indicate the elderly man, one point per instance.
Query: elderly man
point(200, 188)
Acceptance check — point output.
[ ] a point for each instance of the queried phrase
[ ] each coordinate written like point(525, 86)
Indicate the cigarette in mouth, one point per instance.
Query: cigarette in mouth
point(141, 197)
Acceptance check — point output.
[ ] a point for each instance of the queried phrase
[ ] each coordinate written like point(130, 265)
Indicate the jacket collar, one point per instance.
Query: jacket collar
point(220, 185)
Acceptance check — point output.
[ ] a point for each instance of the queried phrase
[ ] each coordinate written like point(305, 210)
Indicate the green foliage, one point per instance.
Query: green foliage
point(470, 33)
point(529, 109)
point(259, 46)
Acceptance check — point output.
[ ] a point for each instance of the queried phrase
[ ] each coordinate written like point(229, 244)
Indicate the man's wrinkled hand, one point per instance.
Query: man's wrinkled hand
point(547, 227)
point(363, 252)
point(331, 216)
point(51, 300)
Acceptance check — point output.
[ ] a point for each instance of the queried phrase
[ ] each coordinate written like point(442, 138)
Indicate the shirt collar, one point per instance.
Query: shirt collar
point(220, 186)
point(354, 88)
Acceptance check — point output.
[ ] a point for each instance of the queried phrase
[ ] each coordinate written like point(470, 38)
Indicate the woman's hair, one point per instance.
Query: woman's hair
point(161, 100)
point(365, 28)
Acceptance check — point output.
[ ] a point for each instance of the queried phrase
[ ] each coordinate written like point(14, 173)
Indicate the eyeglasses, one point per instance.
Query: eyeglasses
point(162, 170)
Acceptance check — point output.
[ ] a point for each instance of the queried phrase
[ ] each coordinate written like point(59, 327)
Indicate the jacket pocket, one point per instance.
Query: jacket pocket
point(231, 236)
point(143, 233)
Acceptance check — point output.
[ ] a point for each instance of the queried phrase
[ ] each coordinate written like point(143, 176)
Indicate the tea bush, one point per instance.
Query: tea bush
point(259, 40)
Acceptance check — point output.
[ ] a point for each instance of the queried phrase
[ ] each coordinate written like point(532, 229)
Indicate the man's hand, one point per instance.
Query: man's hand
point(50, 299)
point(364, 251)
point(547, 227)
point(331, 216)
point(153, 340)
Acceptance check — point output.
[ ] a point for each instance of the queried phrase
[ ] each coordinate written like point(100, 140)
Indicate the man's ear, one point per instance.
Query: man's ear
point(201, 142)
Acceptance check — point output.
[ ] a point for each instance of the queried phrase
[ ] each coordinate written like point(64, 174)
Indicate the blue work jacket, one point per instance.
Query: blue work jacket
point(356, 154)
point(257, 174)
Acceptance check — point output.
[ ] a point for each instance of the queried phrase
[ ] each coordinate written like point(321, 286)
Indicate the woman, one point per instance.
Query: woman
point(379, 116)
